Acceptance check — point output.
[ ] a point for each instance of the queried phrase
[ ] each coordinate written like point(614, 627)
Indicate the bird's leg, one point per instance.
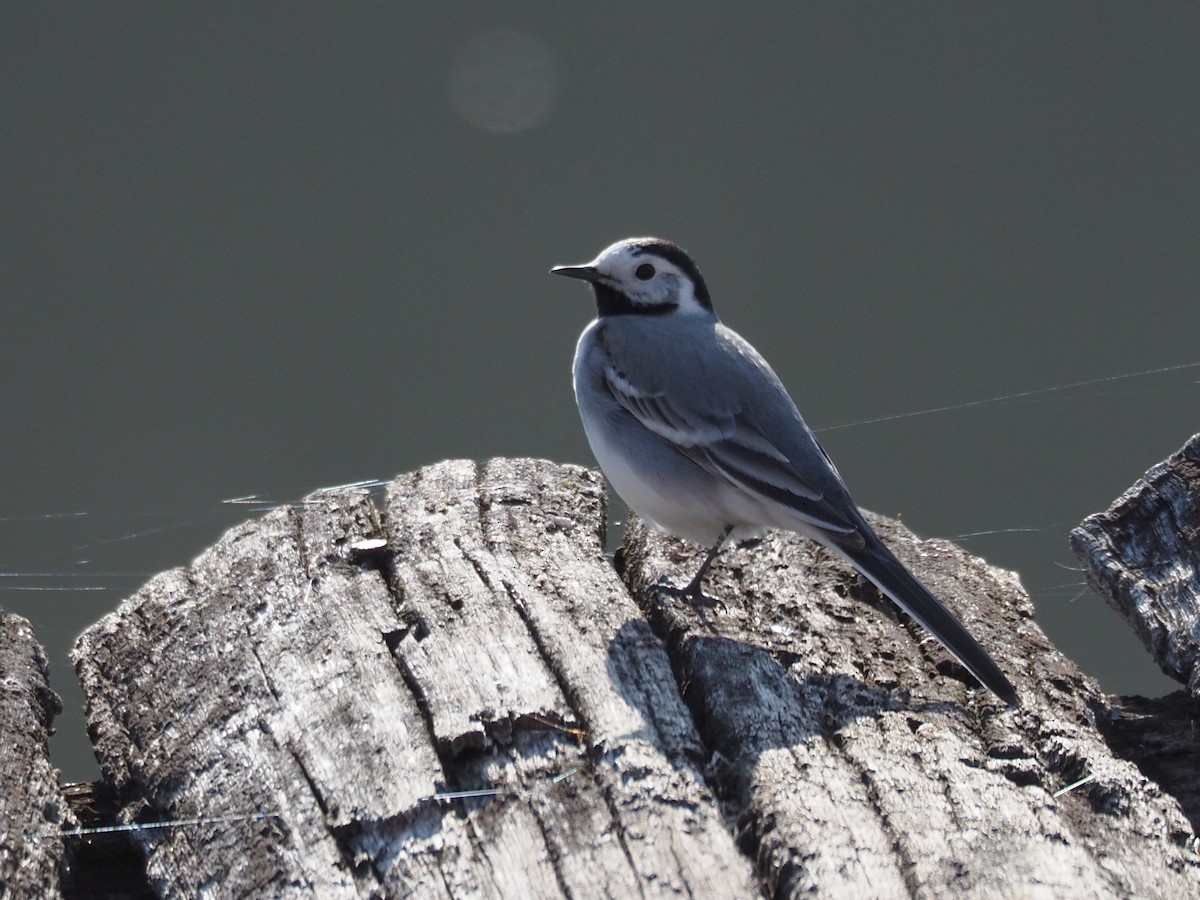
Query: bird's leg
point(693, 589)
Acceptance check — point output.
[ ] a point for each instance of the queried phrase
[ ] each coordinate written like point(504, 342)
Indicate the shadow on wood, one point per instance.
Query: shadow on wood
point(482, 705)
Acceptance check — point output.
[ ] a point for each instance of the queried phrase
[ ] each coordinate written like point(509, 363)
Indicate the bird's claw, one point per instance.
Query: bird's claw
point(692, 593)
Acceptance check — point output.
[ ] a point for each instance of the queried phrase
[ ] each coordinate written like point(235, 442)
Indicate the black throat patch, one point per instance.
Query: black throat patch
point(611, 302)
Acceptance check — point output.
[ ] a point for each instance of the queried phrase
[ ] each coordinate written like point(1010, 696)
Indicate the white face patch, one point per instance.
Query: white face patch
point(647, 278)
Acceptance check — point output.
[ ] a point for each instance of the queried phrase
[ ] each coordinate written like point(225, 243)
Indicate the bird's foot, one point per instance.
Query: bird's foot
point(691, 592)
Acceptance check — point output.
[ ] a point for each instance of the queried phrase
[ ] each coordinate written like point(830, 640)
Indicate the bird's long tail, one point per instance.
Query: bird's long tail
point(887, 573)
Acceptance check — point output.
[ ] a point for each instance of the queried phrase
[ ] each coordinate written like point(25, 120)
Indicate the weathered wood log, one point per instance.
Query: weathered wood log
point(853, 771)
point(32, 809)
point(1143, 555)
point(1162, 736)
point(490, 648)
point(483, 707)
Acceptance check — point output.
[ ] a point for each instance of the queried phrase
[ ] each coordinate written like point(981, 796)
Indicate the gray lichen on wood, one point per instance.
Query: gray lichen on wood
point(1143, 556)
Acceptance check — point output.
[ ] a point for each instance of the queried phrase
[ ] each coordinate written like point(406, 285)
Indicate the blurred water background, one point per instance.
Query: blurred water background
point(257, 249)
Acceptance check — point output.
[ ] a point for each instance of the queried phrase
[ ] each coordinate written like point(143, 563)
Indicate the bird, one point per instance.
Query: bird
point(698, 435)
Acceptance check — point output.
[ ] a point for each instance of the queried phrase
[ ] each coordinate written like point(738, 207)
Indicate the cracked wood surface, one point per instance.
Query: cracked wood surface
point(859, 758)
point(491, 648)
point(793, 739)
point(32, 808)
point(1143, 555)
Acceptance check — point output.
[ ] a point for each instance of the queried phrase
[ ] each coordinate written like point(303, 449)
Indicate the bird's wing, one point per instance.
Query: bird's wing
point(743, 427)
point(721, 439)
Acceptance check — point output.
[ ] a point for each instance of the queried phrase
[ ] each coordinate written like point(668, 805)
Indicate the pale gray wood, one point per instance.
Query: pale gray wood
point(256, 681)
point(523, 644)
point(1143, 555)
point(491, 647)
point(857, 760)
point(32, 808)
point(793, 740)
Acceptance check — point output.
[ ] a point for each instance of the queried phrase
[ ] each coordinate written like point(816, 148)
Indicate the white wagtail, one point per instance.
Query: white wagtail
point(700, 438)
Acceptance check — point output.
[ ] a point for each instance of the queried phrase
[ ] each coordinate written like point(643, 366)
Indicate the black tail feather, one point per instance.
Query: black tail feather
point(887, 573)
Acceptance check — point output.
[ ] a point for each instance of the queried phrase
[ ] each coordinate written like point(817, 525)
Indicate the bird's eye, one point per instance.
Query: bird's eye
point(644, 272)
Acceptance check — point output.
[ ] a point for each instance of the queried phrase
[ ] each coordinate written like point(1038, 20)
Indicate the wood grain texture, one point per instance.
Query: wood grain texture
point(32, 808)
point(1142, 554)
point(254, 683)
point(491, 647)
point(855, 756)
point(484, 707)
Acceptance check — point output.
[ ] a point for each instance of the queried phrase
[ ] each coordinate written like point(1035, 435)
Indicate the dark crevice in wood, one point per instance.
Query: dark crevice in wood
point(1161, 736)
point(413, 684)
point(106, 865)
point(723, 774)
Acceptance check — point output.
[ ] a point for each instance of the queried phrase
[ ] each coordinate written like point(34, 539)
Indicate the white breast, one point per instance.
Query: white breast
point(664, 487)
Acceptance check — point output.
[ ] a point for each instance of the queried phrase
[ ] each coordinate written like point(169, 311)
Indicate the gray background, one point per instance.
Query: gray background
point(263, 248)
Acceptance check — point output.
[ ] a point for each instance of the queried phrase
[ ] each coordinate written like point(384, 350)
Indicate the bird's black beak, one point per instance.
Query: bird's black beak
point(583, 273)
